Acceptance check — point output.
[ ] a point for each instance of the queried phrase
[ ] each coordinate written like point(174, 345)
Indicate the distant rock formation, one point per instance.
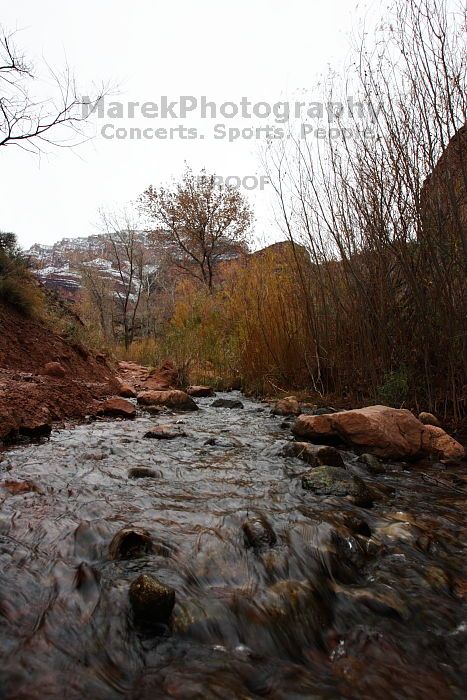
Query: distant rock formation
point(443, 199)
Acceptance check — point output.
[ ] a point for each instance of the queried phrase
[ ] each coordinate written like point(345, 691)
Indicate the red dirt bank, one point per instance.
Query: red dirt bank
point(31, 400)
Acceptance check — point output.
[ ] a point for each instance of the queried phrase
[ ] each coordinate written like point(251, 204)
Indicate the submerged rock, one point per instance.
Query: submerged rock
point(315, 455)
point(164, 432)
point(141, 473)
point(130, 542)
point(333, 481)
point(381, 599)
point(326, 550)
point(200, 391)
point(152, 601)
point(372, 463)
point(226, 403)
point(119, 407)
point(173, 398)
point(258, 533)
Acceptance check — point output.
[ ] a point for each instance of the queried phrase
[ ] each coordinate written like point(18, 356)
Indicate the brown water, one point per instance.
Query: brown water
point(349, 603)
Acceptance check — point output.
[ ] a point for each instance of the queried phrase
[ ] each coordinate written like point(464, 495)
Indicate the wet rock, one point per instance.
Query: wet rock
point(406, 532)
point(324, 549)
point(86, 578)
point(381, 599)
point(289, 406)
point(372, 463)
point(227, 403)
point(54, 369)
point(119, 408)
point(275, 562)
point(164, 432)
point(315, 455)
point(324, 410)
point(258, 533)
point(200, 391)
point(437, 441)
point(357, 525)
point(152, 602)
point(424, 543)
point(437, 578)
point(130, 542)
point(428, 419)
point(173, 398)
point(141, 473)
point(333, 481)
point(126, 391)
point(295, 612)
point(16, 487)
point(155, 410)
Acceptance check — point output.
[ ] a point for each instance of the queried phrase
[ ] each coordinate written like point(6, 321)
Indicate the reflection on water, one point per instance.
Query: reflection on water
point(336, 601)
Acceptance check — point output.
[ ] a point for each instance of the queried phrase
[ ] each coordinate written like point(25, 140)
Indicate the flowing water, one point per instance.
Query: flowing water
point(349, 602)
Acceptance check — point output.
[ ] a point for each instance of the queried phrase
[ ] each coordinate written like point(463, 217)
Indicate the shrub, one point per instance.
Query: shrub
point(18, 289)
point(394, 390)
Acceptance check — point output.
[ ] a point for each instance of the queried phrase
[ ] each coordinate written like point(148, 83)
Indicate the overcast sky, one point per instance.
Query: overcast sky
point(264, 50)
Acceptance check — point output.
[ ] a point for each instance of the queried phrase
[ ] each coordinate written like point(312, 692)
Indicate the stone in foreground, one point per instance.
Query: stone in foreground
point(152, 602)
point(200, 391)
point(383, 431)
point(173, 398)
point(119, 408)
point(333, 481)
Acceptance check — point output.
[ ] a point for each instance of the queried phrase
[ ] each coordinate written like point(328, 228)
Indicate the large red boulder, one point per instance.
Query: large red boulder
point(172, 398)
point(116, 406)
point(381, 430)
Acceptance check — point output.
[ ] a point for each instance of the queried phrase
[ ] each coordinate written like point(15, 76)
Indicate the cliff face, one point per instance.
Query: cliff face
point(443, 200)
point(60, 266)
point(45, 378)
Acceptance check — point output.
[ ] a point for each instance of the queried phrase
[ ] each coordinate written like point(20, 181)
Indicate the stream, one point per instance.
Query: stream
point(344, 602)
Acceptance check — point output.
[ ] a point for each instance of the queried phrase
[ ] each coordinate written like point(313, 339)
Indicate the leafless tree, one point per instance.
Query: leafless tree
point(388, 290)
point(198, 222)
point(27, 119)
point(128, 253)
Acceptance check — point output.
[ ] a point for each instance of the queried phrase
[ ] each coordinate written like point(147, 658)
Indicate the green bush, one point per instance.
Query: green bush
point(394, 390)
point(18, 289)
